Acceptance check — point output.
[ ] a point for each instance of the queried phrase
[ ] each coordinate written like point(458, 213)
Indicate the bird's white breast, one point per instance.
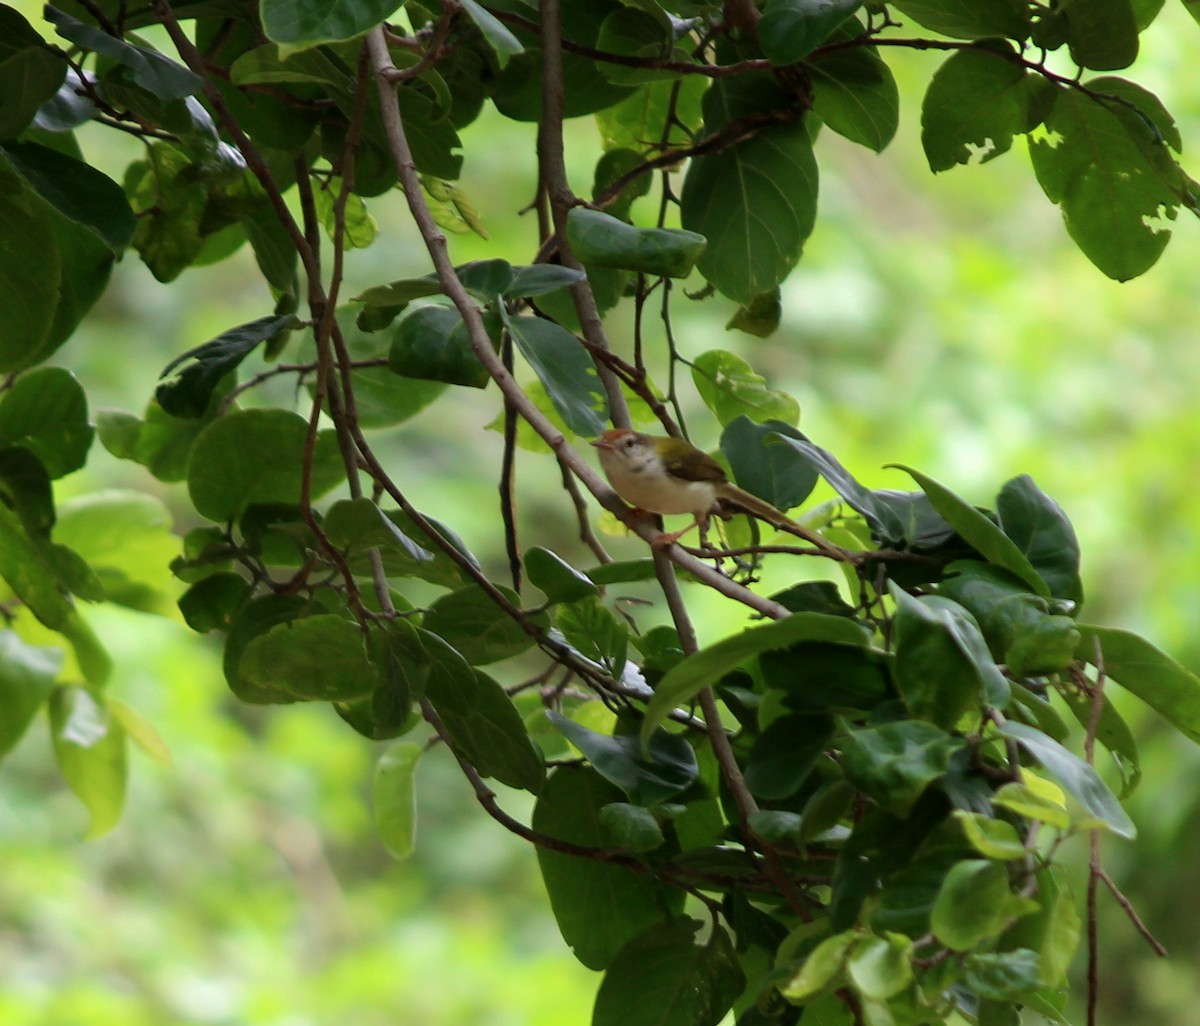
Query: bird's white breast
point(646, 485)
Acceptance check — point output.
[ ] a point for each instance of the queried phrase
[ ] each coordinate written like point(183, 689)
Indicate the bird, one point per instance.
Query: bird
point(661, 474)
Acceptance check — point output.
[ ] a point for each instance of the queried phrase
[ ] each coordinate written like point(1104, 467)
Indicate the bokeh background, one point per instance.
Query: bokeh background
point(947, 323)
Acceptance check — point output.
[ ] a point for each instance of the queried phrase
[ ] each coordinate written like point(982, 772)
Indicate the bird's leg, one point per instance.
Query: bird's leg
point(670, 538)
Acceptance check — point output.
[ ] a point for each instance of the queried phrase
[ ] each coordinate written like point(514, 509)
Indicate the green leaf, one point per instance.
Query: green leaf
point(30, 273)
point(1033, 804)
point(976, 20)
point(1002, 976)
point(594, 632)
point(855, 94)
point(667, 767)
point(976, 102)
point(895, 762)
point(1111, 731)
point(320, 658)
point(559, 581)
point(756, 201)
point(661, 110)
point(46, 412)
point(599, 906)
point(601, 240)
point(784, 754)
point(394, 797)
point(822, 969)
point(89, 746)
point(1114, 178)
point(359, 525)
point(538, 279)
point(160, 442)
point(1041, 530)
point(820, 677)
point(1157, 679)
point(789, 29)
point(566, 370)
point(28, 569)
point(1074, 775)
point(1053, 930)
point(973, 905)
point(126, 537)
point(942, 668)
point(992, 838)
point(300, 24)
point(706, 667)
point(662, 978)
point(257, 456)
point(978, 531)
point(776, 473)
point(760, 317)
point(30, 73)
point(502, 42)
point(631, 827)
point(212, 602)
point(27, 674)
point(1102, 34)
point(431, 343)
point(470, 621)
point(483, 724)
point(263, 66)
point(154, 72)
point(189, 392)
point(645, 34)
point(881, 967)
point(731, 389)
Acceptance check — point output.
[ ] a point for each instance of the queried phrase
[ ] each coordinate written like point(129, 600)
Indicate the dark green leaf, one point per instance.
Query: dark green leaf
point(776, 473)
point(161, 443)
point(257, 456)
point(855, 94)
point(566, 370)
point(631, 32)
point(1074, 775)
point(559, 581)
point(46, 412)
point(601, 240)
point(819, 677)
point(731, 389)
point(1003, 975)
point(538, 279)
point(599, 906)
point(662, 978)
point(1102, 34)
point(975, 20)
point(789, 29)
point(895, 762)
point(974, 904)
point(394, 797)
point(483, 724)
point(254, 618)
point(1053, 930)
point(667, 767)
point(358, 525)
point(784, 754)
point(212, 602)
point(942, 667)
point(28, 568)
point(896, 518)
point(979, 531)
point(27, 674)
point(77, 191)
point(622, 571)
point(320, 658)
point(1043, 533)
point(756, 201)
point(471, 621)
point(593, 631)
point(1157, 679)
point(1111, 731)
point(707, 666)
point(89, 746)
point(189, 392)
point(431, 344)
point(631, 827)
point(660, 110)
point(157, 74)
point(760, 317)
point(976, 102)
point(30, 73)
point(299, 24)
point(30, 273)
point(1114, 178)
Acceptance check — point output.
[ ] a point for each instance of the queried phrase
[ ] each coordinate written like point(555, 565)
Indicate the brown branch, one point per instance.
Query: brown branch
point(435, 242)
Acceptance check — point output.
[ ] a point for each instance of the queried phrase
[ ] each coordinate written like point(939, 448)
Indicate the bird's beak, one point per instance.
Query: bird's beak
point(601, 443)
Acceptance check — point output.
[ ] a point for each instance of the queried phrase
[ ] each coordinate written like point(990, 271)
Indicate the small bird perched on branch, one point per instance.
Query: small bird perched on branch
point(660, 474)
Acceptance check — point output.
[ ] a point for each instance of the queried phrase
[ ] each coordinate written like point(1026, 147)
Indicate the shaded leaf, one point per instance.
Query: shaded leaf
point(1041, 530)
point(895, 762)
point(320, 658)
point(601, 240)
point(789, 29)
point(46, 412)
point(471, 622)
point(855, 94)
point(565, 369)
point(776, 473)
point(599, 906)
point(560, 581)
point(89, 746)
point(298, 24)
point(394, 797)
point(27, 674)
